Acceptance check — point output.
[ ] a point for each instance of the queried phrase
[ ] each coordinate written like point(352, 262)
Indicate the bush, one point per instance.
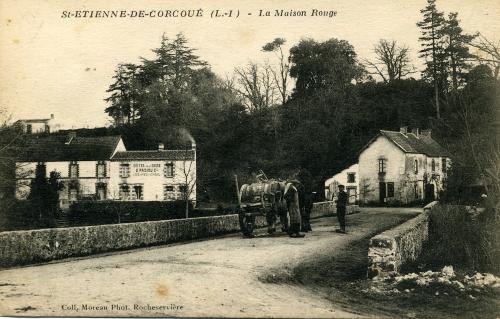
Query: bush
point(461, 238)
point(22, 215)
point(109, 212)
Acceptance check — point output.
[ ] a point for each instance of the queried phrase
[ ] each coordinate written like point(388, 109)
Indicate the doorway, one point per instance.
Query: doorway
point(382, 192)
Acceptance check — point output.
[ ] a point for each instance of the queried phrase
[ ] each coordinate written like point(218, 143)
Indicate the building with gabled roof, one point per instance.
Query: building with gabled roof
point(101, 168)
point(405, 166)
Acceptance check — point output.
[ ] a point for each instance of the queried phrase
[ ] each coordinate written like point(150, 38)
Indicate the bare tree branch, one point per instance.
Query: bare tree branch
point(392, 61)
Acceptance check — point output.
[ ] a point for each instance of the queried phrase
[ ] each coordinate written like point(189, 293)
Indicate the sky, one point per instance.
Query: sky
point(50, 64)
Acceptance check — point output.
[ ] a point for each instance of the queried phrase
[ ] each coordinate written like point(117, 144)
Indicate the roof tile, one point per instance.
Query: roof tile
point(172, 155)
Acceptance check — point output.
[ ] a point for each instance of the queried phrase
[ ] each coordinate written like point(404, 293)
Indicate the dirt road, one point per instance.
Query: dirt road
point(218, 277)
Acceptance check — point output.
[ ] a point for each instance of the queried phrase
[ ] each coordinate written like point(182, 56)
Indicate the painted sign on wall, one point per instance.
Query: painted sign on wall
point(149, 169)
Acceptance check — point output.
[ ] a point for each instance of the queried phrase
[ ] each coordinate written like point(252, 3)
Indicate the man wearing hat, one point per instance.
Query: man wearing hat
point(341, 207)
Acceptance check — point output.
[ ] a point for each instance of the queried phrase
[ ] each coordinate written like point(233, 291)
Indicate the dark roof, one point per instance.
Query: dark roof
point(32, 121)
point(410, 143)
point(172, 155)
point(54, 148)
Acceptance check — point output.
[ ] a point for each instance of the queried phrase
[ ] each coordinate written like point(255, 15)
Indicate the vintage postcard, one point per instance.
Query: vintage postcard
point(250, 159)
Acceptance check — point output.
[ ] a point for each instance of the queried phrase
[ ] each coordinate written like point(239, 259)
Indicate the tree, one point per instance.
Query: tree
point(433, 49)
point(280, 77)
point(44, 196)
point(156, 90)
point(457, 51)
point(392, 61)
point(256, 86)
point(124, 97)
point(489, 53)
point(330, 65)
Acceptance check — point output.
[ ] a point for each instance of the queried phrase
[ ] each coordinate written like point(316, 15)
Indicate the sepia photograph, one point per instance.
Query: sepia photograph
point(250, 159)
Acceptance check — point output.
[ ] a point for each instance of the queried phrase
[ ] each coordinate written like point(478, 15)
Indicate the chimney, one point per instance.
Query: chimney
point(416, 131)
point(51, 116)
point(161, 146)
point(71, 136)
point(427, 132)
point(403, 129)
point(193, 145)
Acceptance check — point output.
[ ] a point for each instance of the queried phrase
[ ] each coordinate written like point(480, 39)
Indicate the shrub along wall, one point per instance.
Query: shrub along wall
point(31, 246)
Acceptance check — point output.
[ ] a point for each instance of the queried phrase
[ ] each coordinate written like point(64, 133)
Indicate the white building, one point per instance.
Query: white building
point(100, 168)
point(349, 178)
point(159, 175)
point(402, 167)
point(36, 126)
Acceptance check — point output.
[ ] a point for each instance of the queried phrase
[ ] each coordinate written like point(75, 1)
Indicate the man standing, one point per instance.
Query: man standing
point(292, 200)
point(341, 208)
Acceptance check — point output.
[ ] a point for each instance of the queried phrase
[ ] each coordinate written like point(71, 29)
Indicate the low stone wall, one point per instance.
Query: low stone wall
point(329, 208)
point(24, 247)
point(391, 249)
point(31, 246)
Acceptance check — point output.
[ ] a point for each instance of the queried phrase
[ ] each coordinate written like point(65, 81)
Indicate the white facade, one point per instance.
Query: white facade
point(349, 177)
point(169, 175)
point(388, 174)
point(36, 126)
point(152, 180)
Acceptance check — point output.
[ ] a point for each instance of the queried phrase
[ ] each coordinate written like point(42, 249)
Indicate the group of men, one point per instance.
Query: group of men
point(299, 205)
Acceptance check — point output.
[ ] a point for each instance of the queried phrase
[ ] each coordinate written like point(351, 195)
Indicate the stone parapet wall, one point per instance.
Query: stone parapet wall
point(390, 250)
point(32, 246)
point(328, 208)
point(25, 247)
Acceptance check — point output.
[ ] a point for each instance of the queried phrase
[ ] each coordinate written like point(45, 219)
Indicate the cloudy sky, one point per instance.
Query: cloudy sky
point(50, 64)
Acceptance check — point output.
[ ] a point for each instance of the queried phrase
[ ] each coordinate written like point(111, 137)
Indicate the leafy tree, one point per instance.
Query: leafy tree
point(457, 51)
point(433, 51)
point(44, 196)
point(124, 108)
point(329, 65)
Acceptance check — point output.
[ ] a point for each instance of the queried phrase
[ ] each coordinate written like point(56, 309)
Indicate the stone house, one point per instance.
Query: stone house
point(100, 168)
point(347, 177)
point(402, 167)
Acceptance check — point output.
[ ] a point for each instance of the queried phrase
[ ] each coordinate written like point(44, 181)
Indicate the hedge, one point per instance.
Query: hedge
point(111, 212)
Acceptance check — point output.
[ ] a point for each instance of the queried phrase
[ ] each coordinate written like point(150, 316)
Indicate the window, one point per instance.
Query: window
point(169, 169)
point(124, 192)
point(41, 169)
point(183, 188)
point(124, 170)
point(433, 165)
point(168, 192)
point(351, 177)
point(137, 192)
point(101, 190)
point(415, 166)
point(101, 169)
point(444, 167)
point(73, 194)
point(382, 166)
point(73, 169)
point(47, 128)
point(390, 189)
